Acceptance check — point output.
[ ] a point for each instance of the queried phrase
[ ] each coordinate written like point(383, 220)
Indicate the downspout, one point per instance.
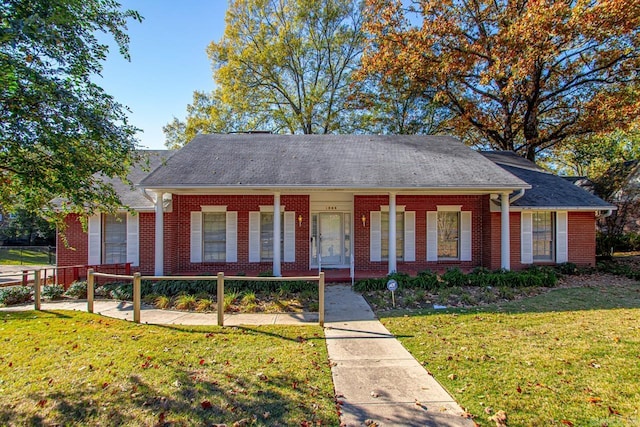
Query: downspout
point(604, 214)
point(516, 196)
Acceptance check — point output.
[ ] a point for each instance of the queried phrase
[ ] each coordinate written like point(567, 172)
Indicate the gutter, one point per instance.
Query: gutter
point(604, 214)
point(516, 196)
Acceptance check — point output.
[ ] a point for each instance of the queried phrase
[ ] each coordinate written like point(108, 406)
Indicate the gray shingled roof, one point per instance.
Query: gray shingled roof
point(547, 190)
point(329, 161)
point(133, 197)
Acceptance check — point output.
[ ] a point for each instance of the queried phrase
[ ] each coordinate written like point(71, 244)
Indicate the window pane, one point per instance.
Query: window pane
point(115, 239)
point(214, 236)
point(266, 236)
point(542, 236)
point(399, 235)
point(448, 235)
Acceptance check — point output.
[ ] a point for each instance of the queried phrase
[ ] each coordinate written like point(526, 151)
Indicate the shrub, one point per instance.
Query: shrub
point(78, 289)
point(455, 277)
point(427, 280)
point(567, 268)
point(162, 302)
point(120, 291)
point(205, 304)
point(15, 295)
point(52, 292)
point(186, 302)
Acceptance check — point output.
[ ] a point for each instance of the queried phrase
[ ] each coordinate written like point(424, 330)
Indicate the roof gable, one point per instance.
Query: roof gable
point(329, 161)
point(547, 189)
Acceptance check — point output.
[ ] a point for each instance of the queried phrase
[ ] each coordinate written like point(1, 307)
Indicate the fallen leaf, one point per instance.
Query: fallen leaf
point(201, 362)
point(42, 403)
point(594, 400)
point(613, 411)
point(566, 422)
point(500, 418)
point(518, 389)
point(205, 404)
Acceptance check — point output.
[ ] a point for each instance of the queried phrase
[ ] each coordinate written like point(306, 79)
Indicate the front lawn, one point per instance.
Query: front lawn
point(70, 368)
point(20, 256)
point(568, 357)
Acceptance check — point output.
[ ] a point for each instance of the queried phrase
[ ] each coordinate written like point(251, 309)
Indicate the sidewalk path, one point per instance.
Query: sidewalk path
point(374, 376)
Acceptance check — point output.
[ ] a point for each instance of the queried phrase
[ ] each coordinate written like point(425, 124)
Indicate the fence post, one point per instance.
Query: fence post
point(136, 297)
point(220, 296)
point(36, 289)
point(25, 277)
point(321, 299)
point(90, 293)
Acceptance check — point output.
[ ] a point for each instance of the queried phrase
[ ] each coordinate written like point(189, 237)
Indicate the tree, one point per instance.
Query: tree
point(60, 133)
point(288, 63)
point(27, 227)
point(208, 113)
point(593, 156)
point(517, 75)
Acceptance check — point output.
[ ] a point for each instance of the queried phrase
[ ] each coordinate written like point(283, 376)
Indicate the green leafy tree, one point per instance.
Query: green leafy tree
point(208, 113)
point(27, 227)
point(517, 75)
point(60, 132)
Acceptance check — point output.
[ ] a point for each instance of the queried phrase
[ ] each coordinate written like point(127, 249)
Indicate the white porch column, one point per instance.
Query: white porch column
point(159, 245)
point(276, 235)
point(505, 239)
point(392, 233)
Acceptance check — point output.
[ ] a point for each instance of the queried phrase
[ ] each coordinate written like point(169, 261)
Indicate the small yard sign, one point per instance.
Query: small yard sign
point(392, 285)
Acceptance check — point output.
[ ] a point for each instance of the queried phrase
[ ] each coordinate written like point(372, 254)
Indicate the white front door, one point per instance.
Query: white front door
point(331, 239)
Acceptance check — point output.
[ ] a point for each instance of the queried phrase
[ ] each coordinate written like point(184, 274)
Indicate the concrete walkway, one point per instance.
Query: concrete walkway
point(376, 379)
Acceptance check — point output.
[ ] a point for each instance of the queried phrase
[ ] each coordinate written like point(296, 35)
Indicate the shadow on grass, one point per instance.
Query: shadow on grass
point(230, 330)
point(603, 297)
point(195, 401)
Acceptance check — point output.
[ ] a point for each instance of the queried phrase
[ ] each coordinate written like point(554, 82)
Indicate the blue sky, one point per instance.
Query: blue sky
point(168, 62)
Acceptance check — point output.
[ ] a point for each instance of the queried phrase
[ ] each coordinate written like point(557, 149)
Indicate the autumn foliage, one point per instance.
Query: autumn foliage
point(517, 75)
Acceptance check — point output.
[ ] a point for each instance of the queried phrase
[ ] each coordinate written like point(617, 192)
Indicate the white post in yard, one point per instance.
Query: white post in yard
point(276, 235)
point(159, 249)
point(505, 247)
point(392, 233)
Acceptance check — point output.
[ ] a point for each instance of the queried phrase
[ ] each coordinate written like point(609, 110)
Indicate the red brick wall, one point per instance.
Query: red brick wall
point(582, 238)
point(177, 224)
point(419, 204)
point(184, 205)
point(77, 251)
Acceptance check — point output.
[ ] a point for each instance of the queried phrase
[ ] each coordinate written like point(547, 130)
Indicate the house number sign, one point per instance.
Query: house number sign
point(331, 208)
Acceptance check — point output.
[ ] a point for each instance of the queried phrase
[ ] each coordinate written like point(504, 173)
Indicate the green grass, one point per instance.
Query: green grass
point(69, 368)
point(17, 256)
point(567, 357)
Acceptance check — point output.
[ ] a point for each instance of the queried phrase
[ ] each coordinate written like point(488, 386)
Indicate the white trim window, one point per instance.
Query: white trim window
point(405, 235)
point(113, 239)
point(542, 228)
point(214, 235)
point(384, 236)
point(261, 235)
point(543, 237)
point(266, 236)
point(449, 234)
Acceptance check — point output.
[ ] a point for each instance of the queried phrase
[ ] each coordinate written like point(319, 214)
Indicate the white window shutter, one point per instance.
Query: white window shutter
point(232, 237)
point(526, 238)
point(562, 243)
point(289, 237)
point(409, 236)
point(254, 236)
point(432, 236)
point(133, 239)
point(94, 231)
point(465, 236)
point(196, 236)
point(375, 236)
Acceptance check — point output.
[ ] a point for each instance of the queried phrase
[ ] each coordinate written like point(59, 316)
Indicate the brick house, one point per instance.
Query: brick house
point(340, 203)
